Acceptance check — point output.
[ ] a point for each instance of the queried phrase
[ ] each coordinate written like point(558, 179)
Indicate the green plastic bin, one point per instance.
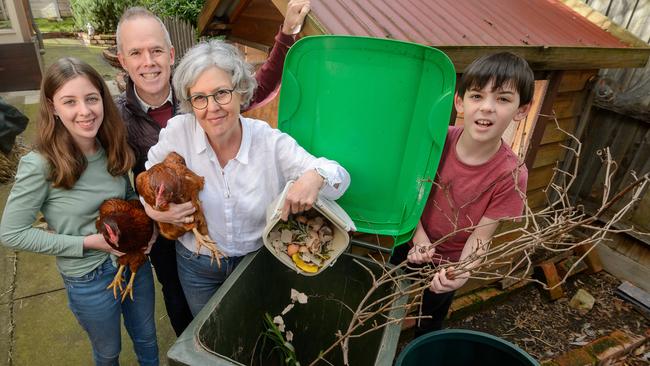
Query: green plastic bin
point(379, 107)
point(459, 347)
point(226, 330)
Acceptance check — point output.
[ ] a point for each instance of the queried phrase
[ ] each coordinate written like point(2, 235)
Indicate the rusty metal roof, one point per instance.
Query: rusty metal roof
point(464, 22)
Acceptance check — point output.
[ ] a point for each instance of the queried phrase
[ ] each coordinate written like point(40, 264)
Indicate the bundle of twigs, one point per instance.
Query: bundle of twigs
point(549, 229)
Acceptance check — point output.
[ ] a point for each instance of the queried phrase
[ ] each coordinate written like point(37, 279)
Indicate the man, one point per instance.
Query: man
point(146, 53)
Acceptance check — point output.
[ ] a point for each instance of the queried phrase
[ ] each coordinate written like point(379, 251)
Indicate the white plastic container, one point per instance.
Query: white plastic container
point(341, 225)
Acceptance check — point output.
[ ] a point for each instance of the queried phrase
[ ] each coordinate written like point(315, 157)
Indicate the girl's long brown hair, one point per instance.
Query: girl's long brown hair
point(67, 161)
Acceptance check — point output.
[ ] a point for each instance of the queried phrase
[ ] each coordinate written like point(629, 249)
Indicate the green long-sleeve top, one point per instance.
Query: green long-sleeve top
point(69, 213)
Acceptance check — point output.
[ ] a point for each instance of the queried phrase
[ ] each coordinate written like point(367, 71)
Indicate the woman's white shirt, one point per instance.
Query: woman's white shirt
point(235, 197)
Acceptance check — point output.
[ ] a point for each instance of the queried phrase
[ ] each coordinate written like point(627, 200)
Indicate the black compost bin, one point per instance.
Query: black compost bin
point(459, 347)
point(226, 331)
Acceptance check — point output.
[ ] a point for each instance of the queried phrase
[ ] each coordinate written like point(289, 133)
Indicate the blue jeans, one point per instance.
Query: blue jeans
point(199, 278)
point(98, 313)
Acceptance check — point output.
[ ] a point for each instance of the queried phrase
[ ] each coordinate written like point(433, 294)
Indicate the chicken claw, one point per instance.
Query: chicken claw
point(129, 288)
point(117, 281)
point(206, 241)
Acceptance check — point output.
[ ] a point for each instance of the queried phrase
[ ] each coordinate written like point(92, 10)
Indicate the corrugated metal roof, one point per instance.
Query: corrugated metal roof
point(464, 22)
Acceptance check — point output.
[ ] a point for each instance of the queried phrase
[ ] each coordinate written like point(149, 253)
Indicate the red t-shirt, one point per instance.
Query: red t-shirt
point(462, 194)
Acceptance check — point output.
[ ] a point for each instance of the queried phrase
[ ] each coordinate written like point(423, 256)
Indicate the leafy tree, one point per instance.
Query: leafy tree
point(102, 14)
point(187, 10)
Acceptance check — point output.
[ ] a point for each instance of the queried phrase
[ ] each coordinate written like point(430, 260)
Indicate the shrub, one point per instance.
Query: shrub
point(187, 10)
point(102, 14)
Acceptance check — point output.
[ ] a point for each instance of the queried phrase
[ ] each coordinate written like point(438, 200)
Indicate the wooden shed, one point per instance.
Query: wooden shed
point(20, 60)
point(565, 42)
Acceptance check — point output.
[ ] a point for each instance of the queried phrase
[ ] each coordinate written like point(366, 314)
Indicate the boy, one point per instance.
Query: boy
point(475, 183)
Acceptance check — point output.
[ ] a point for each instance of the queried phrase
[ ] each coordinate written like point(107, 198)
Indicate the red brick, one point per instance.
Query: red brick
point(576, 357)
point(628, 341)
point(604, 349)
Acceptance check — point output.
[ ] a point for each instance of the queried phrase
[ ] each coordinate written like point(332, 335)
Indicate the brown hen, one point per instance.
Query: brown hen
point(171, 181)
point(126, 228)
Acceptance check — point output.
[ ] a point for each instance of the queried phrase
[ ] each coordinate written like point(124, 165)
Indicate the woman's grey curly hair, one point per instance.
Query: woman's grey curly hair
point(205, 55)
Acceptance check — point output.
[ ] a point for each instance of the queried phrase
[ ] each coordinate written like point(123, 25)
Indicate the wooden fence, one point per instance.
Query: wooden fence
point(626, 90)
point(182, 34)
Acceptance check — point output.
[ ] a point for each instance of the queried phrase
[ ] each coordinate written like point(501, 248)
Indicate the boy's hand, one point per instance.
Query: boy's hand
point(446, 280)
point(296, 12)
point(421, 253)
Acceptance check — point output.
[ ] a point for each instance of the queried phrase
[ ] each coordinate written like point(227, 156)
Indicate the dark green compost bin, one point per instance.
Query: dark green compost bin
point(459, 347)
point(226, 331)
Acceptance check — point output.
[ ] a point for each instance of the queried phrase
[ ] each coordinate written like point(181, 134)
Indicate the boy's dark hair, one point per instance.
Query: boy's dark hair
point(503, 68)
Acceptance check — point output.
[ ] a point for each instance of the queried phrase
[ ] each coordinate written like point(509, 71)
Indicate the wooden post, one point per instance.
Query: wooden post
point(552, 279)
point(592, 259)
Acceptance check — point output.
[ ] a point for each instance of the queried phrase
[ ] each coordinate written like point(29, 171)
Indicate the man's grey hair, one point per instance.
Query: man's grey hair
point(135, 13)
point(206, 55)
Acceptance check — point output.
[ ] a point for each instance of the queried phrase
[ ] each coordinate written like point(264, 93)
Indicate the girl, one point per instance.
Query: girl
point(81, 159)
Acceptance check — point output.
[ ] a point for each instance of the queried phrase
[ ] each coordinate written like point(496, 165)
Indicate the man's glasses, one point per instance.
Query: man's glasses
point(221, 97)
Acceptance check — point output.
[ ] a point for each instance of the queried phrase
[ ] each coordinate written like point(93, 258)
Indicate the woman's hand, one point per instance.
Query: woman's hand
point(447, 280)
point(421, 253)
point(181, 213)
point(302, 194)
point(296, 12)
point(97, 242)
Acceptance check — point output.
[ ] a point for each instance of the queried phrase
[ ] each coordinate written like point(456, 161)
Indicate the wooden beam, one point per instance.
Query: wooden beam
point(239, 9)
point(592, 259)
point(623, 267)
point(604, 23)
point(555, 78)
point(207, 13)
point(576, 80)
point(311, 26)
point(554, 58)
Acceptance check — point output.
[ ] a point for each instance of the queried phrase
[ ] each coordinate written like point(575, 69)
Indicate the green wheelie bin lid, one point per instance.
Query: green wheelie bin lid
point(381, 109)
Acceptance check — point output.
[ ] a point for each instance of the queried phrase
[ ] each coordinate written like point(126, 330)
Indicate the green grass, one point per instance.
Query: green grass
point(68, 47)
point(53, 25)
point(5, 24)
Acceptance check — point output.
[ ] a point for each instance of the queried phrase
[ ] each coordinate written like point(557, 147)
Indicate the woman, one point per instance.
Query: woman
point(81, 159)
point(245, 162)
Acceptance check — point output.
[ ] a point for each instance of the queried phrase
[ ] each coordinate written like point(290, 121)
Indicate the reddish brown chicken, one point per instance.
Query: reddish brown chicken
point(126, 228)
point(171, 181)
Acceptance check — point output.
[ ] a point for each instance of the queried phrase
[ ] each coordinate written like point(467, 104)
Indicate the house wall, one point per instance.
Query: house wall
point(64, 8)
point(45, 8)
point(19, 31)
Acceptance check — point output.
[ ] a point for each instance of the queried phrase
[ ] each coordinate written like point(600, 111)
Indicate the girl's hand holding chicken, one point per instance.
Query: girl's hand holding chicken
point(97, 242)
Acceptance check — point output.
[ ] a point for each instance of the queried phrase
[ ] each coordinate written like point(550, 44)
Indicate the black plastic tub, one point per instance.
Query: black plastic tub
point(227, 330)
